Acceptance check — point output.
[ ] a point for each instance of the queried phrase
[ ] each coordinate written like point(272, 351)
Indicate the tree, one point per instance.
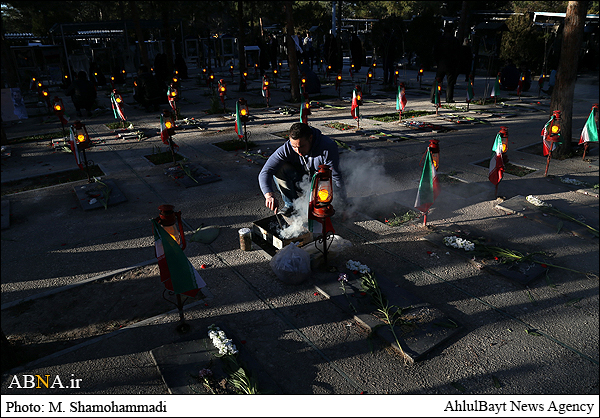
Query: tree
point(564, 89)
point(291, 50)
point(241, 55)
point(522, 43)
point(139, 34)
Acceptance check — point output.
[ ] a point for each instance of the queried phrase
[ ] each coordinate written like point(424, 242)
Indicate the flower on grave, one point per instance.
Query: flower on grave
point(537, 202)
point(204, 373)
point(572, 181)
point(457, 242)
point(221, 342)
point(357, 266)
point(343, 278)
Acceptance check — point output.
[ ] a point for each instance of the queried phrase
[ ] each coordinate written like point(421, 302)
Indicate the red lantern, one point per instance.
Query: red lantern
point(172, 224)
point(322, 193)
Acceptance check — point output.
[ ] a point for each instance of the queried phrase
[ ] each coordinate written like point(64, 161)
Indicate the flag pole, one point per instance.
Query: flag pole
point(425, 218)
point(496, 194)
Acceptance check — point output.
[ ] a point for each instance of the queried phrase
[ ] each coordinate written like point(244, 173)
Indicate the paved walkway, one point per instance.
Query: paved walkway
point(539, 338)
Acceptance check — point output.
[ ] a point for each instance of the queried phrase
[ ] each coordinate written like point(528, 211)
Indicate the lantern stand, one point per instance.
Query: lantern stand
point(82, 142)
point(170, 125)
point(338, 84)
point(402, 87)
point(553, 135)
point(266, 89)
point(351, 71)
point(369, 78)
point(222, 87)
point(245, 117)
point(59, 111)
point(320, 209)
point(587, 144)
point(504, 136)
point(275, 76)
point(420, 77)
point(438, 89)
point(166, 219)
point(231, 72)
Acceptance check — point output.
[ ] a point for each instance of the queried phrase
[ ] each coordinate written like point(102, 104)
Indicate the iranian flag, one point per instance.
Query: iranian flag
point(549, 146)
point(401, 99)
point(436, 94)
point(176, 271)
point(496, 163)
point(73, 145)
point(520, 84)
point(164, 133)
point(496, 89)
point(303, 116)
point(354, 109)
point(590, 130)
point(238, 121)
point(429, 186)
point(118, 112)
point(470, 93)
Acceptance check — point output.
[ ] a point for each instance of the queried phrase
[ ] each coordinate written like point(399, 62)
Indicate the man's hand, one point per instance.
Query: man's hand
point(271, 202)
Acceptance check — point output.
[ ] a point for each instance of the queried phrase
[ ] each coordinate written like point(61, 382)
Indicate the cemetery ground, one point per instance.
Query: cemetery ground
point(81, 290)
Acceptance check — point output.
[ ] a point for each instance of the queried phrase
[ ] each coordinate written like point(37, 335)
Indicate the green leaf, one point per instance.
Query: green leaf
point(559, 227)
point(496, 382)
point(573, 301)
point(533, 332)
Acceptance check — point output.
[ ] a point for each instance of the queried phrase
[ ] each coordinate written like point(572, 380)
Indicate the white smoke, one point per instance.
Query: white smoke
point(298, 221)
point(364, 175)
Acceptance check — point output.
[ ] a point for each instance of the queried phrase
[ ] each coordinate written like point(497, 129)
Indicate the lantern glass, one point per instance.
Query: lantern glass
point(173, 231)
point(504, 144)
point(243, 112)
point(555, 129)
point(324, 192)
point(168, 124)
point(57, 107)
point(435, 156)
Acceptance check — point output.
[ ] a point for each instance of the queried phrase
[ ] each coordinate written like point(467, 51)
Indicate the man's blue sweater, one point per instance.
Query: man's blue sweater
point(323, 151)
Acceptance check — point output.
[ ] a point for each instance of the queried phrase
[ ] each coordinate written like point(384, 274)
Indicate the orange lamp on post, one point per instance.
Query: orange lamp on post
point(173, 97)
point(338, 83)
point(222, 91)
point(242, 118)
point(351, 71)
point(59, 111)
point(504, 136)
point(420, 77)
point(255, 68)
point(275, 74)
point(320, 209)
point(437, 94)
point(396, 75)
point(244, 79)
point(551, 137)
point(266, 89)
point(303, 83)
point(211, 79)
point(434, 149)
point(175, 81)
point(369, 78)
point(80, 142)
point(328, 71)
point(305, 112)
point(231, 72)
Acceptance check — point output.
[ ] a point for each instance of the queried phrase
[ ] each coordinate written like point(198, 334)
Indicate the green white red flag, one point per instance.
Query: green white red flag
point(176, 271)
point(496, 162)
point(496, 89)
point(238, 121)
point(117, 110)
point(164, 133)
point(549, 146)
point(354, 108)
point(470, 94)
point(401, 99)
point(436, 94)
point(590, 129)
point(429, 186)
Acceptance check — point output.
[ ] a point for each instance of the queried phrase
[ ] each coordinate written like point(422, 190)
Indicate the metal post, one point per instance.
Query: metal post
point(87, 167)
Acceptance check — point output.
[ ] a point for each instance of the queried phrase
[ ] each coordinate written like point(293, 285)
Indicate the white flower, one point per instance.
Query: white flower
point(221, 342)
point(537, 202)
point(572, 181)
point(457, 242)
point(357, 266)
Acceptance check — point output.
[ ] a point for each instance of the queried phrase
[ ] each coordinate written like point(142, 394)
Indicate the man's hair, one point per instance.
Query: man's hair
point(300, 130)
